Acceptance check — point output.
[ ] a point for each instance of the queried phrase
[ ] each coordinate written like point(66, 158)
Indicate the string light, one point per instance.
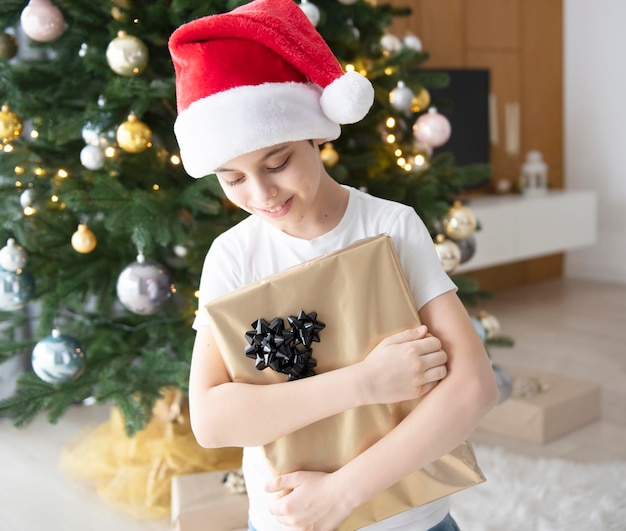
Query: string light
point(62, 173)
point(19, 170)
point(54, 198)
point(39, 172)
point(175, 160)
point(398, 152)
point(29, 211)
point(34, 134)
point(350, 68)
point(110, 152)
point(401, 161)
point(391, 122)
point(7, 148)
point(156, 187)
point(391, 138)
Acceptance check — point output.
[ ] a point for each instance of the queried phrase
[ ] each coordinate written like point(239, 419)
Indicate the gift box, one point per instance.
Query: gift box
point(201, 502)
point(544, 406)
point(344, 303)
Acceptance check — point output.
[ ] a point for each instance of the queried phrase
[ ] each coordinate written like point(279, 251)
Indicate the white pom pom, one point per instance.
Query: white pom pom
point(347, 99)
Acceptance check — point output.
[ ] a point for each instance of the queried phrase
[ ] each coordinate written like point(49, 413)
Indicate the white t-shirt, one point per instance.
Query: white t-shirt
point(254, 249)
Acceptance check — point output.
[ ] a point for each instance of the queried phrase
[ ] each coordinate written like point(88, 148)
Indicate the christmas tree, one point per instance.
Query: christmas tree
point(105, 232)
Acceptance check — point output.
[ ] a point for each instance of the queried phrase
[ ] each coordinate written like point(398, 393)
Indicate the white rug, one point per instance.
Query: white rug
point(523, 494)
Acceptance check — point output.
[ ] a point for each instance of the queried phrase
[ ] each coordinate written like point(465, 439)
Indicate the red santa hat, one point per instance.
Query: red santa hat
point(258, 76)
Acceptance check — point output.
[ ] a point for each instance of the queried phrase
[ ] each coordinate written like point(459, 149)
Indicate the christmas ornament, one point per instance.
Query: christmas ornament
point(504, 382)
point(12, 257)
point(31, 200)
point(311, 11)
point(390, 43)
point(119, 11)
point(460, 222)
point(413, 42)
point(329, 155)
point(58, 358)
point(127, 55)
point(84, 240)
point(420, 101)
point(8, 46)
point(448, 252)
point(467, 246)
point(133, 135)
point(401, 98)
point(490, 323)
point(16, 289)
point(10, 125)
point(92, 157)
point(42, 21)
point(144, 287)
point(432, 128)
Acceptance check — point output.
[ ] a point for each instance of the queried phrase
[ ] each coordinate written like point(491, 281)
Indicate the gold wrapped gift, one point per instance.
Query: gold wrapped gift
point(361, 296)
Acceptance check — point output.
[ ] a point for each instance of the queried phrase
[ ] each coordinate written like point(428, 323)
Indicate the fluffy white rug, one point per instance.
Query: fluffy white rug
point(523, 494)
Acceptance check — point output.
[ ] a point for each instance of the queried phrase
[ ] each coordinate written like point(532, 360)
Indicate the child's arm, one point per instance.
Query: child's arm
point(443, 419)
point(225, 413)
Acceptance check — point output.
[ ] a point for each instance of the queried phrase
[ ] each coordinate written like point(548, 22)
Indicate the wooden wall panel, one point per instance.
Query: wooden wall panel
point(493, 24)
point(443, 32)
point(542, 82)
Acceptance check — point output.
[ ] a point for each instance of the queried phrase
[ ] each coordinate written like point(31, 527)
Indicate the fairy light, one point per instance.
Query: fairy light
point(391, 138)
point(54, 198)
point(34, 134)
point(29, 211)
point(388, 71)
point(156, 187)
point(401, 161)
point(39, 172)
point(175, 160)
point(7, 148)
point(390, 122)
point(19, 170)
point(110, 152)
point(18, 184)
point(398, 152)
point(197, 294)
point(350, 68)
point(408, 167)
point(62, 173)
point(420, 160)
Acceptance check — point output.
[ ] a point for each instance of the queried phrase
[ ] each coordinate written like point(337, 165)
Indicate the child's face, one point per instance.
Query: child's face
point(279, 183)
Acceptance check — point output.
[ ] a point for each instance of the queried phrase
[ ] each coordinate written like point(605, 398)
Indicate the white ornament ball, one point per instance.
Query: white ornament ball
point(92, 157)
point(42, 21)
point(91, 133)
point(12, 257)
point(144, 287)
point(311, 11)
point(390, 43)
point(448, 252)
point(432, 128)
point(490, 323)
point(58, 358)
point(413, 42)
point(127, 55)
point(401, 97)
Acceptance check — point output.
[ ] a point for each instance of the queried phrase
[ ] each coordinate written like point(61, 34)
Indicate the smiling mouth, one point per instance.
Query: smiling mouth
point(278, 210)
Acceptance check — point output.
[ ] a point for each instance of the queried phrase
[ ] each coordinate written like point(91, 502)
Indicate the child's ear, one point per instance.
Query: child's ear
point(318, 141)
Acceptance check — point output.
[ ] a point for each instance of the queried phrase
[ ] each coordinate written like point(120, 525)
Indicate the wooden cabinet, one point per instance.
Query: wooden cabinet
point(520, 42)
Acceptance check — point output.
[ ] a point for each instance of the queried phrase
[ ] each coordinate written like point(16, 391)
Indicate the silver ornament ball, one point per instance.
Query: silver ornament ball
point(12, 257)
point(92, 157)
point(144, 287)
point(58, 358)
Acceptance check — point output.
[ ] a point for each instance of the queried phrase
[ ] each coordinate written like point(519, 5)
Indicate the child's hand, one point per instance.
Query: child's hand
point(402, 366)
point(308, 501)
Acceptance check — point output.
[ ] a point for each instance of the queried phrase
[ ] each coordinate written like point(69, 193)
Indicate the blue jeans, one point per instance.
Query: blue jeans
point(447, 524)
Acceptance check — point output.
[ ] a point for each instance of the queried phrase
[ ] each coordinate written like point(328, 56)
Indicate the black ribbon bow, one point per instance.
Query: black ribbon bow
point(285, 350)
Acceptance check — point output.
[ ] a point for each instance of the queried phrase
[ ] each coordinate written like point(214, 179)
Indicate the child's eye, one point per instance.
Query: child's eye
point(279, 167)
point(235, 182)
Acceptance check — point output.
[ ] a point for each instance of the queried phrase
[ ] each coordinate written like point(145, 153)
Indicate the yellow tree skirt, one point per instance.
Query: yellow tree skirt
point(133, 475)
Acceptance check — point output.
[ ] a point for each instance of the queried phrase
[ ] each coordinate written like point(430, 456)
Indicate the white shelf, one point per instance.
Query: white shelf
point(518, 227)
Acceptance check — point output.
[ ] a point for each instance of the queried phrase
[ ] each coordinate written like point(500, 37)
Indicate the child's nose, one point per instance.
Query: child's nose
point(265, 188)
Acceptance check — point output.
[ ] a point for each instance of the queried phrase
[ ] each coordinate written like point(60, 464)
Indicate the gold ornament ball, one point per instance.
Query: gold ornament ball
point(127, 55)
point(8, 46)
point(460, 222)
point(448, 252)
point(10, 125)
point(84, 240)
point(329, 155)
point(490, 323)
point(134, 136)
point(420, 101)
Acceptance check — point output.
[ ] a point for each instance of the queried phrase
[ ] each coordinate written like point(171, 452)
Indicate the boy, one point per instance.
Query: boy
point(258, 91)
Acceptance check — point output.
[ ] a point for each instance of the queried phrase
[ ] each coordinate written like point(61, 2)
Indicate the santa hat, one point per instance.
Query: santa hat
point(258, 76)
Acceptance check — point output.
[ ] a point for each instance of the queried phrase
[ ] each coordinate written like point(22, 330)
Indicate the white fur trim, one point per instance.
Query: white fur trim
point(221, 127)
point(348, 98)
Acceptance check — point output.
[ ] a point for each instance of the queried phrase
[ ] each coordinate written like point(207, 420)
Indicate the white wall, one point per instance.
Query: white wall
point(595, 129)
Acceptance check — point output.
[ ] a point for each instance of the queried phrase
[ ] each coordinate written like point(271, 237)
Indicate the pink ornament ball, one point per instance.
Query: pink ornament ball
point(432, 128)
point(42, 21)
